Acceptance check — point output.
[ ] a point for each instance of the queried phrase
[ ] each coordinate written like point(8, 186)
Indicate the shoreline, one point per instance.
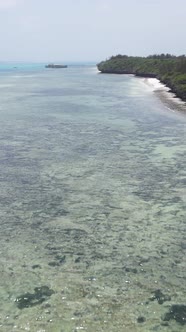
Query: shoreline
point(169, 69)
point(165, 94)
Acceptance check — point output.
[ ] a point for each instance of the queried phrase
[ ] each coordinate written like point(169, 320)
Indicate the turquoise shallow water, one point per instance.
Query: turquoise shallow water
point(92, 203)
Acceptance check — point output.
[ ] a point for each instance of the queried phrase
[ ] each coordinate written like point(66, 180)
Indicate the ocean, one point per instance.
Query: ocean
point(92, 203)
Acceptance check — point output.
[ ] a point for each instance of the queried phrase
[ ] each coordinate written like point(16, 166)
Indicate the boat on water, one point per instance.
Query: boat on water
point(52, 65)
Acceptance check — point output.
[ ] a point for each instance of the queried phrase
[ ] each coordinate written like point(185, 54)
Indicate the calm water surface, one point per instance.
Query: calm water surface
point(92, 204)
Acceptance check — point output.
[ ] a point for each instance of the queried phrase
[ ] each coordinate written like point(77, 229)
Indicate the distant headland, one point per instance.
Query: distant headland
point(52, 65)
point(169, 69)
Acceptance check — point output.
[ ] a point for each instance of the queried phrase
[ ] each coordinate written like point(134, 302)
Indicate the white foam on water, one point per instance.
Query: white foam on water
point(23, 76)
point(155, 84)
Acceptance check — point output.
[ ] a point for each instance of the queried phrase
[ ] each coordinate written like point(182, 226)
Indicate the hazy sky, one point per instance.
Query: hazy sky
point(92, 30)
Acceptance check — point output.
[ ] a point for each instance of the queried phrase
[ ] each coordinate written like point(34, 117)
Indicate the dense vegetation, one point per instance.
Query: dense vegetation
point(169, 69)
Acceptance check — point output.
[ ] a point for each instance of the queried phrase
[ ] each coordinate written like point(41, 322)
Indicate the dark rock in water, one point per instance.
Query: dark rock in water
point(61, 259)
point(77, 260)
point(141, 319)
point(37, 266)
point(176, 312)
point(29, 300)
point(131, 269)
point(165, 324)
point(160, 297)
point(53, 264)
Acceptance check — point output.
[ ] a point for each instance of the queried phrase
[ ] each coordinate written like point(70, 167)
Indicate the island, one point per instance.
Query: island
point(169, 69)
point(52, 65)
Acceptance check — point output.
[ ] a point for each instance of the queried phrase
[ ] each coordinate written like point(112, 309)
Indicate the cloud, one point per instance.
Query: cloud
point(5, 4)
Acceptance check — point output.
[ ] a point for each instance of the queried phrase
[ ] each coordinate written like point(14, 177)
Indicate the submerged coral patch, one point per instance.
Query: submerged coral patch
point(141, 319)
point(178, 313)
point(160, 297)
point(29, 300)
